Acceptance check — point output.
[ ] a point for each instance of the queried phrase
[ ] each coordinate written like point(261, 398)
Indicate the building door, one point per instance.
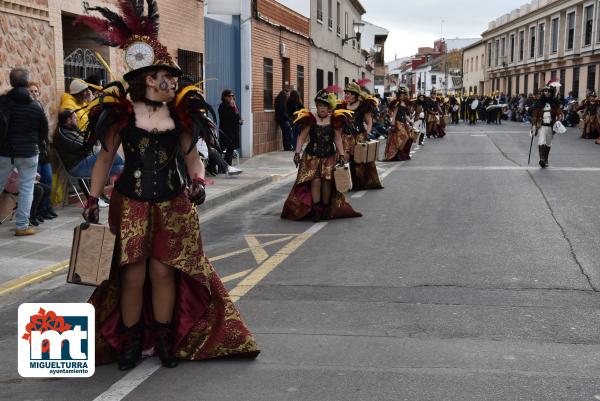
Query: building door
point(285, 72)
point(222, 59)
point(81, 64)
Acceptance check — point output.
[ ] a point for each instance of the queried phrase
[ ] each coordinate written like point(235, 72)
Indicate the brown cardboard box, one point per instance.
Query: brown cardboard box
point(372, 151)
point(343, 178)
point(360, 152)
point(91, 255)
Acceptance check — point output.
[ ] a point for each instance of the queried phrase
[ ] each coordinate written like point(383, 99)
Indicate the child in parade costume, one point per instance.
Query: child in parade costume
point(314, 190)
point(591, 122)
point(163, 292)
point(399, 141)
point(364, 175)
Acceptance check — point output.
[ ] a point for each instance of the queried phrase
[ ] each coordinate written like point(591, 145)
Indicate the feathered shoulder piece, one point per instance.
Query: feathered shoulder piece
point(341, 117)
point(111, 108)
point(305, 118)
point(342, 104)
point(369, 104)
point(192, 110)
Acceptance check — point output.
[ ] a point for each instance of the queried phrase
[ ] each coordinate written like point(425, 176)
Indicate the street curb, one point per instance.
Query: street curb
point(219, 200)
point(34, 277)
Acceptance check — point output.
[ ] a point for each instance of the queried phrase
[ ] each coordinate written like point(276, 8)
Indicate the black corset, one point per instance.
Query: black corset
point(321, 141)
point(357, 123)
point(150, 172)
point(401, 114)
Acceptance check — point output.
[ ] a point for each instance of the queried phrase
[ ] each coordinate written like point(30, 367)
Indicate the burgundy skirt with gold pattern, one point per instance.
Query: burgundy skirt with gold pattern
point(398, 143)
point(364, 175)
point(207, 323)
point(299, 202)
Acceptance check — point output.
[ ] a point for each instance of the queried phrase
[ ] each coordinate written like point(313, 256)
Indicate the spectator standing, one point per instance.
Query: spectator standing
point(27, 128)
point(229, 124)
point(294, 104)
point(44, 209)
point(281, 116)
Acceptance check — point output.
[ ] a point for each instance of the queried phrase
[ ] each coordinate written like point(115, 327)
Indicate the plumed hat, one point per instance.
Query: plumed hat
point(353, 87)
point(134, 32)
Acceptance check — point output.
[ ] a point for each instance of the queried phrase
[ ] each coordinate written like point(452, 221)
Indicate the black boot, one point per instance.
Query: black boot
point(546, 154)
point(131, 347)
point(164, 344)
point(325, 210)
point(316, 209)
point(421, 137)
point(542, 154)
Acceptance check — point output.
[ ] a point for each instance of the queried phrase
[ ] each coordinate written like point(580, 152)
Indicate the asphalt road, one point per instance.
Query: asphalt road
point(470, 277)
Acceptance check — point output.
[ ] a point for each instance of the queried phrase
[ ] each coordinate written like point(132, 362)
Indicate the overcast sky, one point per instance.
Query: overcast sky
point(417, 23)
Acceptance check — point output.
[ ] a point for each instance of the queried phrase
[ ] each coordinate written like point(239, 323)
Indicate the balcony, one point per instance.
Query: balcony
point(330, 24)
point(320, 16)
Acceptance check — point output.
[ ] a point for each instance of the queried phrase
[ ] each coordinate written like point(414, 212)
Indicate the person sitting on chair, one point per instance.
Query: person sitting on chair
point(77, 156)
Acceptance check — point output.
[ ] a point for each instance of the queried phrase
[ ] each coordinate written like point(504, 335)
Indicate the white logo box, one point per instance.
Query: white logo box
point(56, 340)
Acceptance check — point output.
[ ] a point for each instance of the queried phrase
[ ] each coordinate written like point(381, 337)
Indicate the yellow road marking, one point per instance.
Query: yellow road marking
point(256, 248)
point(234, 276)
point(240, 251)
point(271, 263)
point(31, 278)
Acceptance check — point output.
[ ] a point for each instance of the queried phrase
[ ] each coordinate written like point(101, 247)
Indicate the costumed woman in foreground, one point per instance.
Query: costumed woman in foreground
point(163, 293)
point(314, 190)
point(364, 175)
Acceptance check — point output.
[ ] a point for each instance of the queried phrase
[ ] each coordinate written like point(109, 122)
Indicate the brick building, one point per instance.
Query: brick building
point(39, 34)
point(280, 57)
point(543, 40)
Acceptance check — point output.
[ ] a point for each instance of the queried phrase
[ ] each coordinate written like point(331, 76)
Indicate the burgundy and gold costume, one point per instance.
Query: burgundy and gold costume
point(591, 120)
point(364, 175)
point(399, 140)
point(318, 161)
point(150, 211)
point(154, 218)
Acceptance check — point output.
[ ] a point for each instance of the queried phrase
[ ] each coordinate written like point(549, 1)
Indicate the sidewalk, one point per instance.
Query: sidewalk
point(24, 259)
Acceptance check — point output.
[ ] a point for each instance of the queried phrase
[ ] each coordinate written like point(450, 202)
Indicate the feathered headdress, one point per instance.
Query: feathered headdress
point(134, 32)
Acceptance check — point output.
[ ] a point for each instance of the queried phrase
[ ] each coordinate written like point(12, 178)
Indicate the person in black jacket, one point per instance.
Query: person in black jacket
point(294, 104)
point(229, 124)
point(27, 129)
point(281, 116)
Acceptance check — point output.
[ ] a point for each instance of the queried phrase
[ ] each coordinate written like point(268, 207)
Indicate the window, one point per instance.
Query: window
point(526, 83)
point(553, 75)
point(589, 24)
point(320, 11)
point(346, 25)
point(497, 53)
point(532, 42)
point(489, 54)
point(433, 80)
point(562, 77)
point(518, 84)
point(476, 63)
point(320, 79)
point(329, 78)
point(346, 81)
point(591, 80)
point(190, 63)
point(521, 45)
point(509, 90)
point(570, 30)
point(339, 20)
point(536, 82)
point(300, 81)
point(575, 88)
point(267, 83)
point(554, 36)
point(512, 48)
point(541, 35)
point(353, 42)
point(330, 15)
point(502, 50)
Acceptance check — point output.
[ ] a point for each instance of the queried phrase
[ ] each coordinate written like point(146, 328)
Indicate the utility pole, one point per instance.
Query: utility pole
point(445, 57)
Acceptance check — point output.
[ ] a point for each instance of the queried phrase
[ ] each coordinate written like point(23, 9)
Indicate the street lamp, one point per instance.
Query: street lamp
point(357, 27)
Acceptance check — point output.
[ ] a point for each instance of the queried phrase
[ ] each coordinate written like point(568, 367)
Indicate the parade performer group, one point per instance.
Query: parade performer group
point(314, 191)
point(163, 293)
